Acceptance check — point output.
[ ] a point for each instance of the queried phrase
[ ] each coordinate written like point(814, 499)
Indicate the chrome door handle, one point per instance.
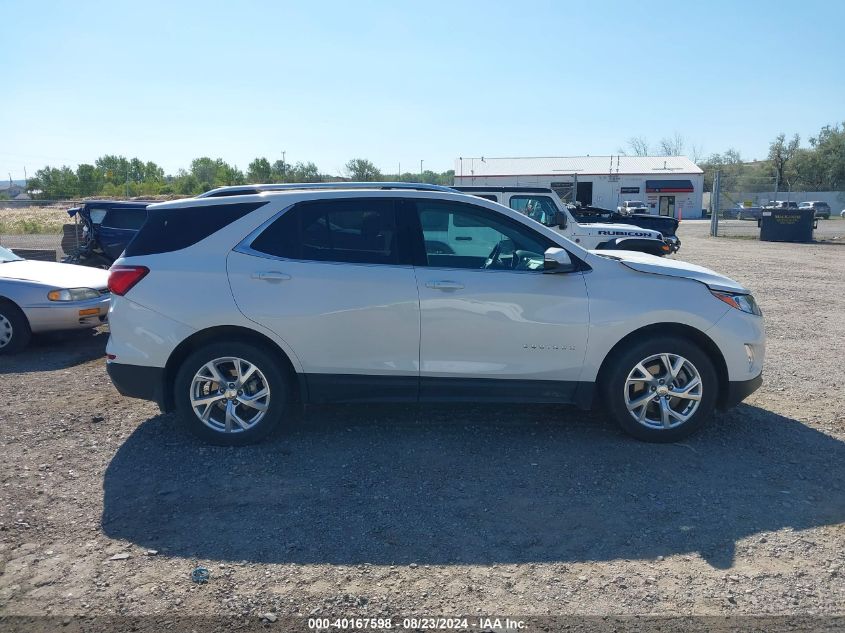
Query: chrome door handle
point(444, 285)
point(271, 275)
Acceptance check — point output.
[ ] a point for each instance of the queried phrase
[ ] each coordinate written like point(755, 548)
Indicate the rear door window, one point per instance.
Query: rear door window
point(359, 231)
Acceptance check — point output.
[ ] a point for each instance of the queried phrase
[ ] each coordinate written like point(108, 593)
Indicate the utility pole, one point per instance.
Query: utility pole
point(714, 205)
point(284, 165)
point(399, 176)
point(421, 170)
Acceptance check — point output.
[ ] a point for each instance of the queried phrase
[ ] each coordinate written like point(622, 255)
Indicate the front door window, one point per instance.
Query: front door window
point(465, 236)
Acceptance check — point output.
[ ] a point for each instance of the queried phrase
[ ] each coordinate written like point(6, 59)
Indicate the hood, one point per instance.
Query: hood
point(621, 230)
point(55, 275)
point(645, 263)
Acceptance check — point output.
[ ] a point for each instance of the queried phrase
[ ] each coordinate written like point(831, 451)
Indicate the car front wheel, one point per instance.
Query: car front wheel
point(231, 394)
point(14, 328)
point(661, 390)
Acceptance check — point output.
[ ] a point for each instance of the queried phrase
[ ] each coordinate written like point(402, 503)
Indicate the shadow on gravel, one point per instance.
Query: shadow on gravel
point(57, 350)
point(387, 485)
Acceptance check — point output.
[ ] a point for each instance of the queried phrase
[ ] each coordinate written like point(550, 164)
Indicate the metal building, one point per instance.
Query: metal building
point(669, 185)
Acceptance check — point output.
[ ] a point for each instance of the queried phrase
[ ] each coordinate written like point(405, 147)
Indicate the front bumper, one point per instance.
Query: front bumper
point(673, 242)
point(739, 390)
point(67, 315)
point(138, 381)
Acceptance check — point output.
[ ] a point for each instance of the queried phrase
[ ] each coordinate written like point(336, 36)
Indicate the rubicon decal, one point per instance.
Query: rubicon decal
point(625, 233)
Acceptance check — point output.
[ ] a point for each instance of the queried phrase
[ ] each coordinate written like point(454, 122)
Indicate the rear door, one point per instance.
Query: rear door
point(333, 279)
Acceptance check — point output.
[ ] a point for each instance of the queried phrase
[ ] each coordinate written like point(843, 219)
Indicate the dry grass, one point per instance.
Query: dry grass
point(33, 220)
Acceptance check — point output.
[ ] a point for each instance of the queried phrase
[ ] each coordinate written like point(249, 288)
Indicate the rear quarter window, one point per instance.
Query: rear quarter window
point(169, 230)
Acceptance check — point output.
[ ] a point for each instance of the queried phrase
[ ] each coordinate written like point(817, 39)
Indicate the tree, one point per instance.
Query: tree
point(829, 148)
point(152, 172)
point(228, 175)
point(361, 169)
point(136, 170)
point(259, 171)
point(696, 153)
point(90, 180)
point(114, 169)
point(280, 171)
point(304, 172)
point(186, 184)
point(638, 146)
point(781, 152)
point(204, 170)
point(54, 183)
point(672, 145)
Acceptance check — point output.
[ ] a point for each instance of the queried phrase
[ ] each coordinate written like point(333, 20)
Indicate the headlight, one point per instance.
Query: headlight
point(73, 294)
point(746, 303)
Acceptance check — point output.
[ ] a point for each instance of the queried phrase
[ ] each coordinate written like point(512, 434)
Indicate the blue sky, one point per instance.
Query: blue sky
point(399, 81)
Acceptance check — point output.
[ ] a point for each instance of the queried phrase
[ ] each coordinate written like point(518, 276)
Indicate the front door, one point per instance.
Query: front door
point(495, 326)
point(328, 279)
point(667, 206)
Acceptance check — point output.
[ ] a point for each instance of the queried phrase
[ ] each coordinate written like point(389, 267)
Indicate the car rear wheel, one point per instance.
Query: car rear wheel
point(14, 328)
point(231, 394)
point(661, 390)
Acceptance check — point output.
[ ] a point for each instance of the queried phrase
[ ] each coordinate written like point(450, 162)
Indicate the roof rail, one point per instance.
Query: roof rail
point(244, 190)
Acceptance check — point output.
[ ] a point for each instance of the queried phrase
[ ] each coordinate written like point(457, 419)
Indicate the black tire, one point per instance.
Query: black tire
point(12, 318)
point(271, 371)
point(614, 388)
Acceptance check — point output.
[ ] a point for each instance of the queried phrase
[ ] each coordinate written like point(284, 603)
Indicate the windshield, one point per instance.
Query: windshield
point(8, 256)
point(634, 203)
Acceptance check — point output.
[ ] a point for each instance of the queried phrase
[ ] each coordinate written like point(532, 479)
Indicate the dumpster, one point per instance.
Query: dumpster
point(787, 225)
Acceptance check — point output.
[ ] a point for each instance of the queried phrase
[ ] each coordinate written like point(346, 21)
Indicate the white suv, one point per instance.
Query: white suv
point(231, 307)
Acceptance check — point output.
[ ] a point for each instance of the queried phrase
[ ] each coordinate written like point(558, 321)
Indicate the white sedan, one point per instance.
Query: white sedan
point(47, 296)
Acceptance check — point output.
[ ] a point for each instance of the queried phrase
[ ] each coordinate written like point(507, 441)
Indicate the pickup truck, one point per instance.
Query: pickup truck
point(632, 206)
point(545, 206)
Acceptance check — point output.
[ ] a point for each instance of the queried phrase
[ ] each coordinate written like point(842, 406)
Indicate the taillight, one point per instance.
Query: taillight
point(123, 278)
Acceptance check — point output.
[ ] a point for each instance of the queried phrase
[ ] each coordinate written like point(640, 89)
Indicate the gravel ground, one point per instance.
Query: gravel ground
point(106, 508)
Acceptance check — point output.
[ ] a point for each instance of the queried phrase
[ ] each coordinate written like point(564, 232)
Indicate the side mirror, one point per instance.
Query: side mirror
point(560, 219)
point(557, 260)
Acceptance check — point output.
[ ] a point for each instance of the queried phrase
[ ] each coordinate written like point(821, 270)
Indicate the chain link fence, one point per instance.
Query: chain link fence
point(738, 202)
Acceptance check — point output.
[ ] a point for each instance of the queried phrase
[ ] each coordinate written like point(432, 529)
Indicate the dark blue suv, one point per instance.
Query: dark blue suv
point(107, 227)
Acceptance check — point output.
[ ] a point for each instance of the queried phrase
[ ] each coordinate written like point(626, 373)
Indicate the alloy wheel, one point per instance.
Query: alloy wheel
point(6, 331)
point(230, 395)
point(663, 391)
